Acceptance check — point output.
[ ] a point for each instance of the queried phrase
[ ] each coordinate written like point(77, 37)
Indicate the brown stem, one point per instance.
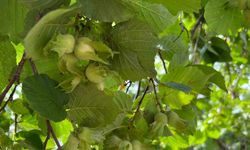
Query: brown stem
point(138, 90)
point(50, 130)
point(163, 62)
point(33, 66)
point(15, 129)
point(199, 21)
point(9, 99)
point(139, 104)
point(46, 141)
point(15, 78)
point(158, 103)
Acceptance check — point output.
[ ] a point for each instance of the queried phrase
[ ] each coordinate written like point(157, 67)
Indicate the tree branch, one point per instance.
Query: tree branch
point(15, 78)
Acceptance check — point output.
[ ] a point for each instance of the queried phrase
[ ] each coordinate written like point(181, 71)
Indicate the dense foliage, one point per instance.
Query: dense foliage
point(124, 74)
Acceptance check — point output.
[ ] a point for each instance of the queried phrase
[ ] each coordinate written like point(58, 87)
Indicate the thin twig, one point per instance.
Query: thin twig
point(46, 141)
point(183, 28)
point(139, 103)
point(163, 62)
point(15, 123)
point(9, 99)
point(197, 24)
point(50, 129)
point(138, 90)
point(47, 137)
point(221, 144)
point(158, 103)
point(14, 78)
point(33, 66)
point(196, 43)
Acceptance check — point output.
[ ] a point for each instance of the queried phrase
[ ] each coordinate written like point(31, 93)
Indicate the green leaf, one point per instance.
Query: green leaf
point(18, 106)
point(72, 143)
point(155, 15)
point(140, 128)
point(136, 46)
point(174, 6)
point(90, 107)
point(191, 76)
point(7, 60)
point(12, 18)
point(35, 4)
point(32, 139)
point(221, 17)
point(217, 78)
point(175, 98)
point(179, 59)
point(45, 97)
point(170, 46)
point(175, 142)
point(5, 141)
point(42, 32)
point(106, 10)
point(123, 101)
point(49, 66)
point(5, 122)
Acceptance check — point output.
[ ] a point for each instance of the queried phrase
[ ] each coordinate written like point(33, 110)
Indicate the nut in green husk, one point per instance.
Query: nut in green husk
point(64, 44)
point(96, 73)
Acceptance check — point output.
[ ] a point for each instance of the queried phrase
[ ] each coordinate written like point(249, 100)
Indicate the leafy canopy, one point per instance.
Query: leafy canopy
point(124, 74)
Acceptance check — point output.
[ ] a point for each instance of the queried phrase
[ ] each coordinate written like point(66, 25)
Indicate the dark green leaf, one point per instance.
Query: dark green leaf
point(32, 139)
point(217, 51)
point(45, 97)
